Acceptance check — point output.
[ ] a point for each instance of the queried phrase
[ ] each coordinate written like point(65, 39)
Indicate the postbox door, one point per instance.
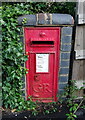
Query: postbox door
point(42, 76)
point(42, 47)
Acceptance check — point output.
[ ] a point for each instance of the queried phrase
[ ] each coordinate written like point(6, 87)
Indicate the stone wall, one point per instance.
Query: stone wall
point(65, 52)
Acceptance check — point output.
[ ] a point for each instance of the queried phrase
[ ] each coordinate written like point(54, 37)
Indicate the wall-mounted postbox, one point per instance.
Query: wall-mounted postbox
point(48, 44)
point(42, 47)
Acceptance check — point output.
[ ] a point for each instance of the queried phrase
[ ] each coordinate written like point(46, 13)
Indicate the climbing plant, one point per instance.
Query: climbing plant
point(13, 54)
point(13, 57)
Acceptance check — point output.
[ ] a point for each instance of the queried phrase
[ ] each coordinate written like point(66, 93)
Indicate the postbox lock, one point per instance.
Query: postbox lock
point(42, 34)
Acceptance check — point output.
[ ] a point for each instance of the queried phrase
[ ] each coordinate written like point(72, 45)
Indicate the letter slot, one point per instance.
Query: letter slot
point(42, 43)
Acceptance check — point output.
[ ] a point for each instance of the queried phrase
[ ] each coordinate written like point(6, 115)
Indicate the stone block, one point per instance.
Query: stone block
point(64, 71)
point(65, 55)
point(66, 39)
point(62, 86)
point(63, 79)
point(65, 47)
point(64, 64)
point(66, 31)
point(62, 19)
point(30, 20)
point(60, 91)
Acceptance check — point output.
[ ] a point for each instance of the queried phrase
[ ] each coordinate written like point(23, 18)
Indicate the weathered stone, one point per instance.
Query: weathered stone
point(64, 64)
point(30, 20)
point(66, 31)
point(66, 39)
point(65, 55)
point(62, 86)
point(62, 19)
point(46, 19)
point(65, 47)
point(63, 79)
point(64, 71)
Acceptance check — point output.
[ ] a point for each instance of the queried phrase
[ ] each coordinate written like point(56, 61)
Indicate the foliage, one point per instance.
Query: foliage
point(45, 108)
point(54, 7)
point(13, 55)
point(70, 100)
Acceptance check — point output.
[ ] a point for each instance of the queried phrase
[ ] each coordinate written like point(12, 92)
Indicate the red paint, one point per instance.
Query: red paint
point(42, 86)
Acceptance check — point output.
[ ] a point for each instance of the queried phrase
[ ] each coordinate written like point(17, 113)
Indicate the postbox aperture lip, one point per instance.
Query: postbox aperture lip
point(42, 43)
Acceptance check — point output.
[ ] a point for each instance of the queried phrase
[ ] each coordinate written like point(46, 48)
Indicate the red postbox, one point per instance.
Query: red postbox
point(42, 45)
